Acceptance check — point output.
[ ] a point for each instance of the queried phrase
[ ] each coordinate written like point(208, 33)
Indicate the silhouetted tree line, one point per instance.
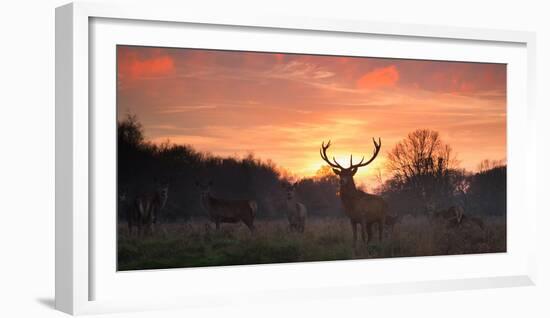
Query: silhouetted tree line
point(424, 177)
point(487, 192)
point(141, 165)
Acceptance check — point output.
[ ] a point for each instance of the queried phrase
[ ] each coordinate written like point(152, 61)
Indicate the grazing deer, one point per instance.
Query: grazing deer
point(296, 211)
point(227, 211)
point(146, 207)
point(454, 215)
point(474, 219)
point(361, 207)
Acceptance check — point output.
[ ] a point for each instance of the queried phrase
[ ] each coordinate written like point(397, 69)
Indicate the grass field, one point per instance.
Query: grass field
point(197, 243)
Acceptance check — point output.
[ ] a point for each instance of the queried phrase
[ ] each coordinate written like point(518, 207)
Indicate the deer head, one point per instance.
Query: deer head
point(204, 189)
point(290, 189)
point(346, 174)
point(122, 195)
point(162, 189)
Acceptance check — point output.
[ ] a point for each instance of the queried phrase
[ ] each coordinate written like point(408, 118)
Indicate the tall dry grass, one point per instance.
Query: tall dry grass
point(196, 243)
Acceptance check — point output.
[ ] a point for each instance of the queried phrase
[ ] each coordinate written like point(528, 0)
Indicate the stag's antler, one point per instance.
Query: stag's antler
point(323, 152)
point(377, 147)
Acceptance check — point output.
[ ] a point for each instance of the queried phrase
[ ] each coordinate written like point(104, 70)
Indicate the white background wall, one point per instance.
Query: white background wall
point(27, 158)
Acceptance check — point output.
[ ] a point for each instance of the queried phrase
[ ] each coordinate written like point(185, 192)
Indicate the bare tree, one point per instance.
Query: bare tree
point(422, 162)
point(421, 152)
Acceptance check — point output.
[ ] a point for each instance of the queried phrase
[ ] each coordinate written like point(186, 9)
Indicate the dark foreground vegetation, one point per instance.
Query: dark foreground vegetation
point(196, 243)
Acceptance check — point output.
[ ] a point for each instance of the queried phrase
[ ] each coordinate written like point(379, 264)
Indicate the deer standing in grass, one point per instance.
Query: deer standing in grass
point(227, 211)
point(362, 208)
point(453, 213)
point(454, 216)
point(143, 212)
point(296, 211)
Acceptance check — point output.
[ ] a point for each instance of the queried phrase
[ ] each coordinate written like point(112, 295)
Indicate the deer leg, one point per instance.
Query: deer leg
point(354, 229)
point(380, 230)
point(363, 228)
point(250, 225)
point(217, 225)
point(390, 231)
point(148, 228)
point(153, 225)
point(369, 232)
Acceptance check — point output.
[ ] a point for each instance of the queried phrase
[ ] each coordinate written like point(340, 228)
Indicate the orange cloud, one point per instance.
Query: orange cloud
point(378, 78)
point(134, 66)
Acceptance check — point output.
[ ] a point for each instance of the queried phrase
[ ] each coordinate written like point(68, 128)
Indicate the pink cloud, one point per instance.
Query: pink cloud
point(132, 65)
point(379, 78)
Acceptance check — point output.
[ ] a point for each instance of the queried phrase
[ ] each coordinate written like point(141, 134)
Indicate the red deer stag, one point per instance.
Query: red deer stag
point(296, 211)
point(145, 209)
point(227, 211)
point(362, 208)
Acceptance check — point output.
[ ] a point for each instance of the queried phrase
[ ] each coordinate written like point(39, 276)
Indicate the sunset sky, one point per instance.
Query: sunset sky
point(281, 106)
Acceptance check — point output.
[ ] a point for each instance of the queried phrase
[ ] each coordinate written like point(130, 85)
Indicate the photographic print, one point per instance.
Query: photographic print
point(241, 158)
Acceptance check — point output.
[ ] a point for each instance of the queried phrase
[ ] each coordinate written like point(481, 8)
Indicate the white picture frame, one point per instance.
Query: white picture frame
point(79, 254)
